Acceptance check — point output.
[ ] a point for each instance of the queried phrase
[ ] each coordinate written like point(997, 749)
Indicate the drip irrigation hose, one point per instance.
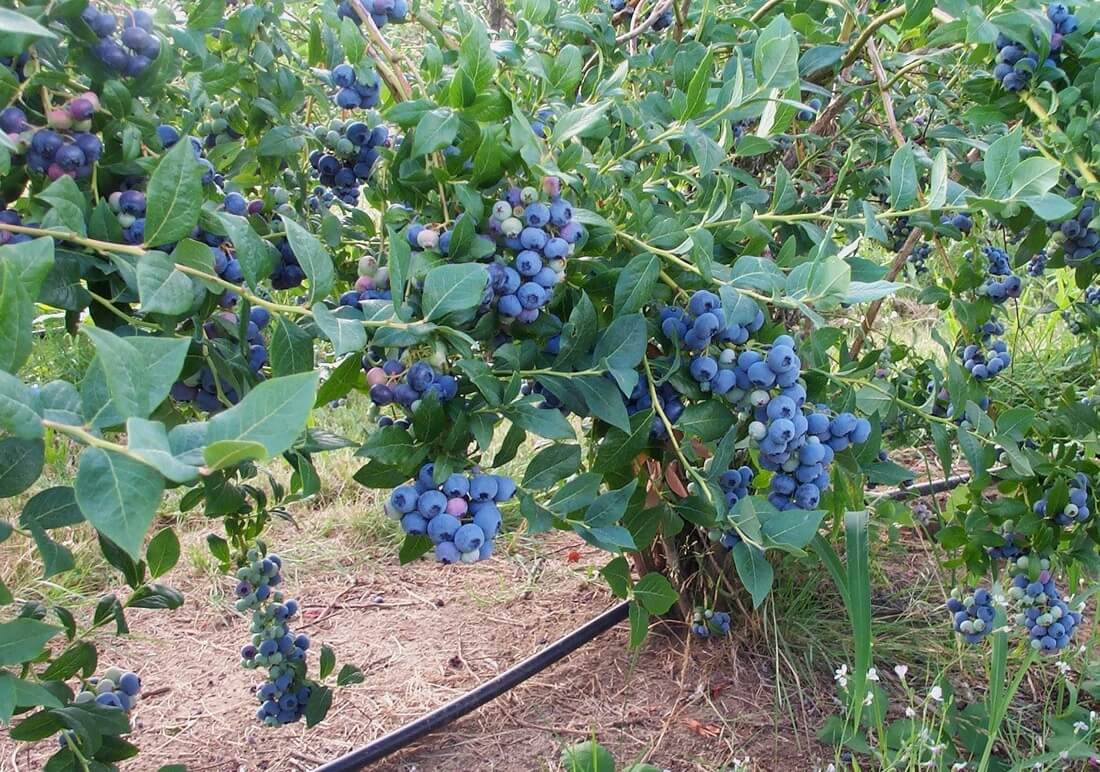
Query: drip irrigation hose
point(536, 663)
point(394, 741)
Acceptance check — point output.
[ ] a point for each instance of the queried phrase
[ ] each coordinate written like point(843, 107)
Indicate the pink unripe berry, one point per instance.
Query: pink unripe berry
point(376, 375)
point(59, 118)
point(427, 239)
point(552, 186)
point(55, 172)
point(366, 265)
point(364, 283)
point(456, 507)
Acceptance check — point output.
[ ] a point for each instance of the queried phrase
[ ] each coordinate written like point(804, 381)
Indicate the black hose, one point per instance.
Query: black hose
point(394, 741)
point(536, 663)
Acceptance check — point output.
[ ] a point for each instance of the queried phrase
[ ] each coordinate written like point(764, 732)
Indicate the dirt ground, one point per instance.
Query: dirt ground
point(424, 634)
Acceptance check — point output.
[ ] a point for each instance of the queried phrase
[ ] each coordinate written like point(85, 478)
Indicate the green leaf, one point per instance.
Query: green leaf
point(754, 571)
point(706, 420)
point(551, 465)
point(149, 441)
point(163, 552)
point(708, 153)
point(56, 558)
point(320, 700)
point(1000, 162)
point(792, 528)
point(623, 343)
point(550, 424)
point(346, 335)
point(174, 196)
point(697, 89)
point(618, 449)
point(576, 494)
point(452, 289)
point(139, 371)
point(587, 756)
point(21, 463)
point(13, 23)
point(654, 592)
point(327, 662)
point(435, 130)
point(475, 57)
point(348, 675)
point(903, 178)
point(273, 414)
point(634, 287)
point(1034, 177)
point(937, 187)
point(163, 289)
point(256, 256)
point(577, 121)
point(617, 575)
point(609, 508)
point(52, 508)
point(313, 257)
point(603, 400)
point(19, 409)
point(23, 639)
point(279, 142)
point(639, 625)
point(16, 318)
point(118, 496)
point(291, 348)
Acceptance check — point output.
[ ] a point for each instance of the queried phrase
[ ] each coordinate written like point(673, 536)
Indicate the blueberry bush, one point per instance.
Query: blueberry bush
point(657, 237)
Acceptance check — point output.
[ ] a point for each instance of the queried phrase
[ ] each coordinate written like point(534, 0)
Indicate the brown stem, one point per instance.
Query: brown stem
point(872, 310)
point(887, 97)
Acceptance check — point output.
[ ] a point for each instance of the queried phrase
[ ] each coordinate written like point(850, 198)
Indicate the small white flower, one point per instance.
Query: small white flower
point(841, 676)
point(910, 713)
point(1080, 727)
point(1092, 716)
point(1064, 755)
point(1063, 666)
point(958, 766)
point(936, 750)
point(936, 693)
point(901, 671)
point(869, 699)
point(872, 674)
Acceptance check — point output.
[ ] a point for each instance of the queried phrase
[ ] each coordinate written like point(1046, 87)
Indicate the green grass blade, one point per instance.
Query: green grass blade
point(859, 604)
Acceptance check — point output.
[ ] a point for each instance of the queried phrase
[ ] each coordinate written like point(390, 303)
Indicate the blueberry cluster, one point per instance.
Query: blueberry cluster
point(700, 325)
point(1049, 621)
point(961, 221)
point(129, 207)
point(116, 689)
point(420, 378)
point(1092, 295)
point(542, 234)
point(1015, 64)
point(1076, 509)
point(1079, 241)
point(201, 389)
point(541, 123)
point(899, 233)
point(217, 129)
point(66, 147)
point(12, 217)
point(136, 47)
point(373, 284)
point(351, 150)
point(664, 21)
point(671, 403)
point(1011, 546)
point(973, 614)
point(283, 693)
point(381, 11)
point(17, 64)
point(734, 484)
point(1002, 283)
point(356, 92)
point(1037, 264)
point(918, 258)
point(288, 274)
point(984, 365)
point(808, 115)
point(707, 622)
point(460, 516)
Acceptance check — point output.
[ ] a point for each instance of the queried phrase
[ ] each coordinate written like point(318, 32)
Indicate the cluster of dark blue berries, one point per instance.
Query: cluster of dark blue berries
point(169, 136)
point(984, 365)
point(201, 389)
point(66, 147)
point(134, 50)
point(1011, 546)
point(1002, 283)
point(351, 150)
point(700, 325)
point(117, 688)
point(670, 400)
point(381, 11)
point(283, 693)
point(1079, 241)
point(420, 378)
point(918, 258)
point(1048, 619)
point(734, 484)
point(12, 217)
point(17, 64)
point(356, 91)
point(899, 233)
point(1037, 264)
point(1076, 509)
point(814, 106)
point(129, 207)
point(1015, 64)
point(972, 614)
point(707, 622)
point(460, 516)
point(961, 221)
point(541, 123)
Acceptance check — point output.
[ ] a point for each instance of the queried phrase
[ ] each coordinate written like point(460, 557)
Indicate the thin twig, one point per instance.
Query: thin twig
point(872, 310)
